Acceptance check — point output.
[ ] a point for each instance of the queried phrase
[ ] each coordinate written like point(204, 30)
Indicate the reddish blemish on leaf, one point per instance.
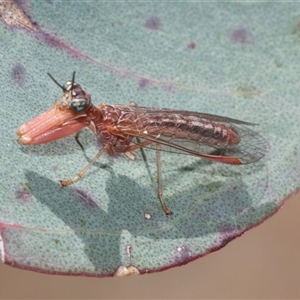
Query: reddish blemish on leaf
point(242, 36)
point(227, 240)
point(227, 236)
point(192, 45)
point(13, 16)
point(18, 74)
point(153, 23)
point(170, 88)
point(183, 255)
point(23, 194)
point(53, 41)
point(143, 83)
point(22, 3)
point(85, 197)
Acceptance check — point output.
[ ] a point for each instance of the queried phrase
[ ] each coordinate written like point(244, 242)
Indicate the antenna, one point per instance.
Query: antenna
point(73, 78)
point(62, 87)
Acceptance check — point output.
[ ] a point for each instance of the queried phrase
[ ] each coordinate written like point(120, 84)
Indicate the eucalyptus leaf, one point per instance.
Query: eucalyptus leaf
point(231, 59)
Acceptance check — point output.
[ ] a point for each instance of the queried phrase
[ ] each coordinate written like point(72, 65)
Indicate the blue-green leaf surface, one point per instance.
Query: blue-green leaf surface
point(232, 59)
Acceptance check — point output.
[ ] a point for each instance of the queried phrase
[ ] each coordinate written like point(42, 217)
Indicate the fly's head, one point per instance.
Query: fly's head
point(71, 113)
point(74, 98)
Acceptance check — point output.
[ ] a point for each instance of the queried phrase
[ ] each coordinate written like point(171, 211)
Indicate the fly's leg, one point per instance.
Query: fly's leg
point(159, 182)
point(137, 146)
point(130, 155)
point(77, 140)
point(83, 171)
point(167, 211)
point(91, 127)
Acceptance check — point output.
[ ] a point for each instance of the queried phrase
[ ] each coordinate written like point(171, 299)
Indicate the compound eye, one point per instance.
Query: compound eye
point(67, 86)
point(78, 105)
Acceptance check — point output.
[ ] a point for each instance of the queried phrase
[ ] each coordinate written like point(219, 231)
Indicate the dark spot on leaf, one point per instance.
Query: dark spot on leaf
point(85, 197)
point(170, 88)
point(18, 74)
point(153, 23)
point(192, 45)
point(82, 222)
point(143, 83)
point(187, 168)
point(23, 194)
point(242, 36)
point(278, 63)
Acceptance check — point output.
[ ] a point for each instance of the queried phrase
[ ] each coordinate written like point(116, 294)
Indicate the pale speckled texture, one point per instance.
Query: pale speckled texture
point(242, 65)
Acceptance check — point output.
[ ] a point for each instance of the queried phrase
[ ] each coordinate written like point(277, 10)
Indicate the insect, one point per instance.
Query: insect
point(125, 129)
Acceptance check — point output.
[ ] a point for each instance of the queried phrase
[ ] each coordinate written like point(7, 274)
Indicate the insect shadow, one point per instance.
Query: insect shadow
point(101, 227)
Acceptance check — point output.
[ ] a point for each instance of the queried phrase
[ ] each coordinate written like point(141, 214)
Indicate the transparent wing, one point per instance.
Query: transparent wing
point(158, 111)
point(250, 148)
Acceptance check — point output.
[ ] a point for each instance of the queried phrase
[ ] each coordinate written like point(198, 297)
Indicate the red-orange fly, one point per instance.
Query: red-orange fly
point(124, 129)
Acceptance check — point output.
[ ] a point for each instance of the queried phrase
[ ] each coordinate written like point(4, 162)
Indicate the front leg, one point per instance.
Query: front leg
point(83, 171)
